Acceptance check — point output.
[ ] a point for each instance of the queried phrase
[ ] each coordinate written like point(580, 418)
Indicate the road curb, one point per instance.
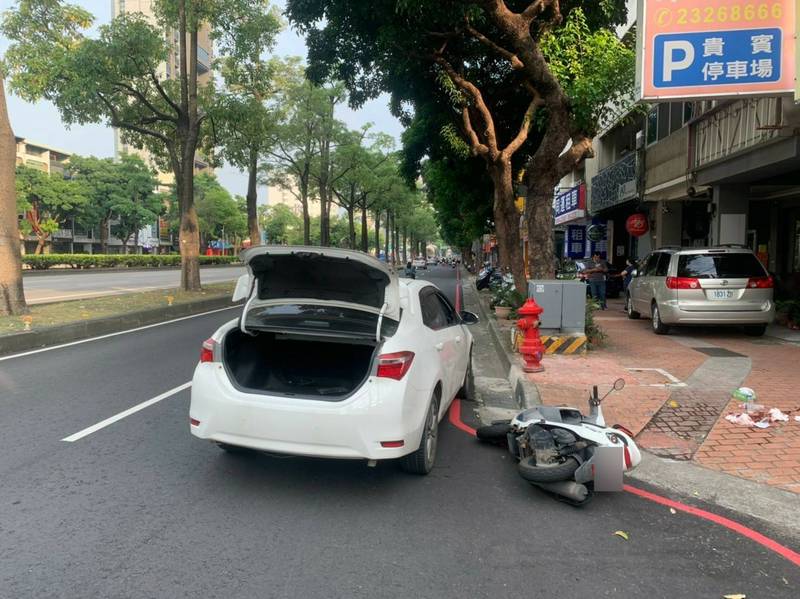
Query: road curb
point(525, 392)
point(25, 341)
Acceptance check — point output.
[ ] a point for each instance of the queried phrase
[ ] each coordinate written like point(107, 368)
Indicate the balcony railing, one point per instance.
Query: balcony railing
point(733, 128)
point(62, 234)
point(614, 184)
point(203, 61)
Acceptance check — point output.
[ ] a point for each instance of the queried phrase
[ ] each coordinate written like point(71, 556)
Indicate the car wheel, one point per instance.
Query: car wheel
point(422, 460)
point(467, 391)
point(659, 328)
point(756, 330)
point(632, 314)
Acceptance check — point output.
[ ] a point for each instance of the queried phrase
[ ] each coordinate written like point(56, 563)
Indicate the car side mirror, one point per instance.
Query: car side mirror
point(469, 317)
point(242, 289)
point(635, 272)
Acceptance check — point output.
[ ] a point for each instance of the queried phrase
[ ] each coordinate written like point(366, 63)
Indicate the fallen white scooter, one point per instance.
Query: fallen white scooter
point(566, 453)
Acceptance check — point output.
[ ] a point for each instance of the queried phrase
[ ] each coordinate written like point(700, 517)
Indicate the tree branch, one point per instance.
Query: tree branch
point(516, 63)
point(581, 148)
point(117, 122)
point(477, 147)
point(524, 128)
point(480, 104)
point(132, 91)
point(163, 93)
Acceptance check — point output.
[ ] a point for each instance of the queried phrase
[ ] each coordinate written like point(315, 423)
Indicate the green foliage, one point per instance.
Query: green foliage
point(281, 224)
point(507, 296)
point(47, 201)
point(594, 333)
point(594, 68)
point(45, 261)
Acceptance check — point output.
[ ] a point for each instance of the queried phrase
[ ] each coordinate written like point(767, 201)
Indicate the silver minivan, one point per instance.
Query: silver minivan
point(702, 286)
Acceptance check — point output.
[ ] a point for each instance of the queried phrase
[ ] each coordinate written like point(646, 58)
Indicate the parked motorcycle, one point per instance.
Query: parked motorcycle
point(566, 453)
point(490, 276)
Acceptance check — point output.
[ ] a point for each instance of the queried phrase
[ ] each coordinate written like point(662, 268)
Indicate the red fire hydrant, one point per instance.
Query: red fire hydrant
point(531, 348)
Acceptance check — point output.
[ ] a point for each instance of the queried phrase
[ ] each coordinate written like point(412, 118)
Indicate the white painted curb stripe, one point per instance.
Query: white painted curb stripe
point(109, 421)
point(149, 326)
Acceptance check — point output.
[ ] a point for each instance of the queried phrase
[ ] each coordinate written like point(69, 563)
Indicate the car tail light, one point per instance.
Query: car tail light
point(760, 283)
point(207, 350)
point(392, 443)
point(194, 422)
point(682, 283)
point(395, 365)
point(628, 460)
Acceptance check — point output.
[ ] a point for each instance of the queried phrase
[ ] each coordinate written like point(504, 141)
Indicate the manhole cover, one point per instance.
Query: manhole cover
point(718, 352)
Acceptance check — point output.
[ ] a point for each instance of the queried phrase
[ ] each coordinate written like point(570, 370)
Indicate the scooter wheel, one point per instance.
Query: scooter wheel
point(547, 474)
point(493, 433)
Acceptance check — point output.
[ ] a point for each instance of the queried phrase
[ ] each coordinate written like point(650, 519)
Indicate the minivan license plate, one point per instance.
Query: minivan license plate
point(721, 294)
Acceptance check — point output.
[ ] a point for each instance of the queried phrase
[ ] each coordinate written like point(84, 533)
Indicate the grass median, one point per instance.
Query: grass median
point(42, 316)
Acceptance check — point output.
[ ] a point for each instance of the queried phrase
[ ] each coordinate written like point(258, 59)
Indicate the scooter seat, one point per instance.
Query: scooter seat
point(553, 414)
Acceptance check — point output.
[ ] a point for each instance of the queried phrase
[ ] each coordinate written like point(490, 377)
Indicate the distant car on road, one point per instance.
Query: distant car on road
point(419, 262)
point(702, 286)
point(333, 356)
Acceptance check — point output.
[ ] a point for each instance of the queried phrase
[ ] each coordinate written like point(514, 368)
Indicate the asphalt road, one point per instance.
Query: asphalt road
point(143, 509)
point(43, 288)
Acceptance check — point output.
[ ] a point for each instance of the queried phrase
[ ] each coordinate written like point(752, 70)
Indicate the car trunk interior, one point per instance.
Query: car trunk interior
point(297, 365)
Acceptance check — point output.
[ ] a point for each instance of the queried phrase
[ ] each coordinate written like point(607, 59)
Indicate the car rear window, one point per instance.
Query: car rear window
point(720, 266)
point(310, 317)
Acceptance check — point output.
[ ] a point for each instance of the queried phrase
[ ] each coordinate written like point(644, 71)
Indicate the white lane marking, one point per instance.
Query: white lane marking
point(109, 421)
point(674, 381)
point(149, 326)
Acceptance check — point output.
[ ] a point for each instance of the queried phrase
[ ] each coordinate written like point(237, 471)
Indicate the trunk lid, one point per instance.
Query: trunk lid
point(321, 276)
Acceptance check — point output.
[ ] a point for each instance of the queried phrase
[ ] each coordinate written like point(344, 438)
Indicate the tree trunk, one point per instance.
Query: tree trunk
point(506, 222)
point(136, 241)
point(304, 202)
point(188, 133)
point(364, 231)
point(396, 253)
point(12, 296)
point(351, 223)
point(377, 234)
point(104, 235)
point(125, 245)
point(539, 214)
point(405, 241)
point(252, 199)
point(41, 240)
point(386, 237)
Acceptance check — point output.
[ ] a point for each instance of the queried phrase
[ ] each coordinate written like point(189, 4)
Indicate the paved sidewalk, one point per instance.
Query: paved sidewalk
point(679, 391)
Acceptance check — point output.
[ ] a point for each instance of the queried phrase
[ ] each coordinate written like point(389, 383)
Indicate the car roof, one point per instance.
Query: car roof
point(719, 249)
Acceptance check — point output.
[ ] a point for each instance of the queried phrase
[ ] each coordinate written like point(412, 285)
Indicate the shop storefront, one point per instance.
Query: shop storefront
point(569, 210)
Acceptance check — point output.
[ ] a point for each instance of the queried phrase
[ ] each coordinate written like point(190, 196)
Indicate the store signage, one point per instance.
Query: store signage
point(637, 224)
point(570, 205)
point(576, 241)
point(596, 232)
point(690, 49)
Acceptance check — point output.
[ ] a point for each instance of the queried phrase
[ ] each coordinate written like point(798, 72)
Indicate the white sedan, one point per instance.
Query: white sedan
point(333, 356)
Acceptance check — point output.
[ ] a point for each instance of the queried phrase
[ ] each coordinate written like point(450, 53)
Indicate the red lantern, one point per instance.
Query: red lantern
point(637, 225)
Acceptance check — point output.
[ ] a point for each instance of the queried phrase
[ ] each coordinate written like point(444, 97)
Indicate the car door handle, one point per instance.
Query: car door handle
point(439, 346)
point(458, 339)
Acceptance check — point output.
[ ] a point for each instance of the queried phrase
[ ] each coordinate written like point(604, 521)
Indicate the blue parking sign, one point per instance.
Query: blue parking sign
point(746, 56)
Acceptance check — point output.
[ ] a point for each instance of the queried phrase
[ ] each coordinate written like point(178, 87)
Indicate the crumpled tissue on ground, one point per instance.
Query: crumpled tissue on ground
point(759, 419)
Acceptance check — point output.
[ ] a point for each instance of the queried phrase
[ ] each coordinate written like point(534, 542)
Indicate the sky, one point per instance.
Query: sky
point(41, 123)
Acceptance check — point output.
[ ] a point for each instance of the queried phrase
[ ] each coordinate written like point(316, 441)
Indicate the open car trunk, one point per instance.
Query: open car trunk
point(321, 368)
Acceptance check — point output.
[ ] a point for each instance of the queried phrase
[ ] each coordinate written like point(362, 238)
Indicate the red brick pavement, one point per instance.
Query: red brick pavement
point(685, 416)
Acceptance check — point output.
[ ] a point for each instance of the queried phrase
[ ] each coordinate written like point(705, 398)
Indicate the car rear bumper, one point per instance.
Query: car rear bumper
point(672, 314)
point(380, 410)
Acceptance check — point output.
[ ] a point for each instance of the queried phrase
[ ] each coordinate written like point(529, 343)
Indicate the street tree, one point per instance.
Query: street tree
point(12, 296)
point(113, 78)
point(48, 202)
point(292, 148)
point(141, 205)
point(240, 117)
point(493, 61)
point(122, 191)
point(281, 224)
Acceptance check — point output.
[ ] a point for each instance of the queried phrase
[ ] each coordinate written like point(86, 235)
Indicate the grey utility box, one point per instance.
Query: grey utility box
point(563, 302)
